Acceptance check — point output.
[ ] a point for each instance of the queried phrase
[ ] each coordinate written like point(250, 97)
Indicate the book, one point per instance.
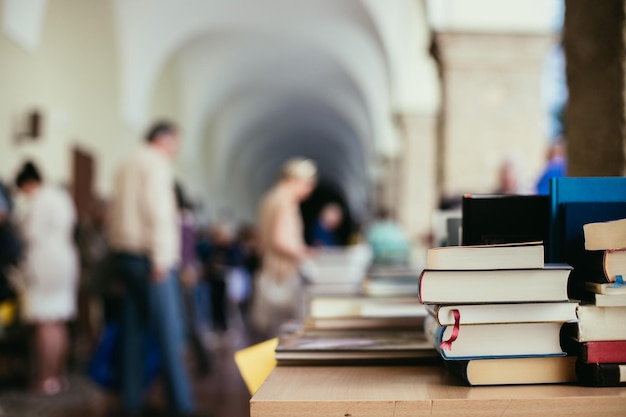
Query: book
point(480, 341)
point(364, 307)
point(352, 346)
point(610, 300)
point(515, 371)
point(605, 288)
point(496, 219)
point(391, 286)
point(597, 352)
point(601, 374)
point(605, 235)
point(578, 190)
point(363, 323)
point(505, 256)
point(588, 265)
point(494, 286)
point(504, 313)
point(601, 323)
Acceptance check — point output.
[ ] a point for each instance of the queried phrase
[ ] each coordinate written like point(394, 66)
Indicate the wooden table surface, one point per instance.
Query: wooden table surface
point(419, 391)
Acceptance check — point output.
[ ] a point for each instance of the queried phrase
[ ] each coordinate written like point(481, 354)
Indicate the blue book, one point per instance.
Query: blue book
point(507, 340)
point(578, 190)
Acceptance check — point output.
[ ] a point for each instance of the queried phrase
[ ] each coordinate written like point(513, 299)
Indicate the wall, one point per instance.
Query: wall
point(72, 78)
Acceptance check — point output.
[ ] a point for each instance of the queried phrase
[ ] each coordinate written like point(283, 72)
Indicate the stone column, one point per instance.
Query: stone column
point(417, 194)
point(594, 121)
point(492, 106)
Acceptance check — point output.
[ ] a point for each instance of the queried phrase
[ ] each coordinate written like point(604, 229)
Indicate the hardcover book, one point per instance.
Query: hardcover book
point(515, 371)
point(578, 190)
point(504, 313)
point(600, 323)
point(597, 352)
point(605, 235)
point(481, 341)
point(494, 286)
point(600, 374)
point(353, 346)
point(504, 256)
point(496, 219)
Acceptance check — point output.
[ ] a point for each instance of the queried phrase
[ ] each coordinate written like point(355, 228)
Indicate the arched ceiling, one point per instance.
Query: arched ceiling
point(264, 80)
point(246, 66)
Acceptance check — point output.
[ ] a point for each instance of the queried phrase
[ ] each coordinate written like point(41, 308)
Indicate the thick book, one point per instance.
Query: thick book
point(480, 341)
point(601, 323)
point(310, 347)
point(601, 374)
point(610, 300)
point(363, 323)
point(578, 190)
point(494, 286)
point(515, 371)
point(496, 219)
point(504, 313)
point(505, 256)
point(597, 352)
point(397, 286)
point(607, 288)
point(364, 307)
point(605, 235)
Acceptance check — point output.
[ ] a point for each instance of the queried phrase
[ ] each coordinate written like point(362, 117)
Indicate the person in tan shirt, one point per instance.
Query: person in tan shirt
point(282, 246)
point(144, 235)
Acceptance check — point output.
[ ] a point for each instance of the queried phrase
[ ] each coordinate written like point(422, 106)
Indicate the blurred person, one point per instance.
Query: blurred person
point(219, 257)
point(556, 167)
point(10, 247)
point(145, 236)
point(251, 262)
point(282, 247)
point(327, 225)
point(189, 278)
point(389, 242)
point(509, 177)
point(92, 249)
point(50, 272)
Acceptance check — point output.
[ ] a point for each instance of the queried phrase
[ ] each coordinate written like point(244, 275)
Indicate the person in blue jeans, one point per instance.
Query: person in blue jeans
point(153, 308)
point(144, 235)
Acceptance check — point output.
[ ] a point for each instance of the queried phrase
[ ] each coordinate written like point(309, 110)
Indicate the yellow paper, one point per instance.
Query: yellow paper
point(7, 313)
point(256, 363)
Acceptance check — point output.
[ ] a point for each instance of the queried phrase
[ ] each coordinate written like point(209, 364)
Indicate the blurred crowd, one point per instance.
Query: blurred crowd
point(135, 281)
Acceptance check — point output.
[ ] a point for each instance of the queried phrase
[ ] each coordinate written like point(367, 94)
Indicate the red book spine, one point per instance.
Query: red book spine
point(605, 352)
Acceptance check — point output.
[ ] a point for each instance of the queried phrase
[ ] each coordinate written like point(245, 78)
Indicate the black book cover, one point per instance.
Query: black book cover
point(598, 375)
point(495, 219)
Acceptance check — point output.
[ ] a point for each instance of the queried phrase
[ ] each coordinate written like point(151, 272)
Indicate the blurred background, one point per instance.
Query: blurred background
point(403, 104)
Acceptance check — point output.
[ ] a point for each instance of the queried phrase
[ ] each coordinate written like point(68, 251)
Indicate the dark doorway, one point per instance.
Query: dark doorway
point(83, 171)
point(323, 194)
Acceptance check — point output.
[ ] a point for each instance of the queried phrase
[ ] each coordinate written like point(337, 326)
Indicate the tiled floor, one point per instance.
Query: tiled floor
point(221, 394)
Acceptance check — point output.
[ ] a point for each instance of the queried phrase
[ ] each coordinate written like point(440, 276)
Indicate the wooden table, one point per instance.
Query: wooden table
point(419, 391)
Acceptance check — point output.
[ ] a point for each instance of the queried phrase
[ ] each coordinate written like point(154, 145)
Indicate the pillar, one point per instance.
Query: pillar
point(594, 120)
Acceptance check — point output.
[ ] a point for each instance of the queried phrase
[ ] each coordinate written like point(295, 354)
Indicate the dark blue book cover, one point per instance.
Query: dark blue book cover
point(588, 265)
point(578, 190)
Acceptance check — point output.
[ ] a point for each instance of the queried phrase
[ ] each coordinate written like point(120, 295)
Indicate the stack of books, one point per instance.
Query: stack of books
point(359, 328)
point(599, 338)
point(496, 313)
point(391, 282)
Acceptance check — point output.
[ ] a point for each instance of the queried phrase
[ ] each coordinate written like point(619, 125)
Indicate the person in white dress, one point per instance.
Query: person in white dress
point(50, 273)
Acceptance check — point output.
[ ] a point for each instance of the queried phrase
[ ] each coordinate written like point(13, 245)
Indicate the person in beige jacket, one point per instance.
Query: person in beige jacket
point(282, 246)
point(145, 238)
